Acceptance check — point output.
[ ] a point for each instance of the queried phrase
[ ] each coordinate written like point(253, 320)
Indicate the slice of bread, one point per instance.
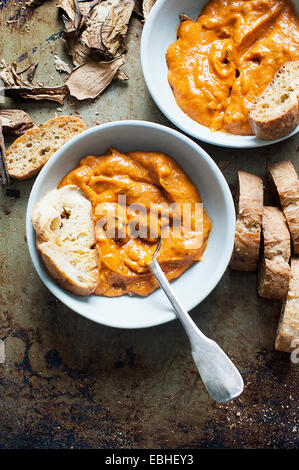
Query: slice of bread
point(65, 238)
point(29, 153)
point(287, 338)
point(276, 111)
point(274, 270)
point(285, 185)
point(249, 218)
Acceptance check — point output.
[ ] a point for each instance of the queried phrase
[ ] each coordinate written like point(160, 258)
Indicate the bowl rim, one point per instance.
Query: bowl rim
point(204, 133)
point(66, 297)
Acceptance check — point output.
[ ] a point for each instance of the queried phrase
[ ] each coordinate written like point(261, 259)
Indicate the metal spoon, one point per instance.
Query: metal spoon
point(219, 375)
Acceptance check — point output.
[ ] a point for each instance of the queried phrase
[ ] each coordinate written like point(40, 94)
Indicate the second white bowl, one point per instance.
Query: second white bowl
point(158, 33)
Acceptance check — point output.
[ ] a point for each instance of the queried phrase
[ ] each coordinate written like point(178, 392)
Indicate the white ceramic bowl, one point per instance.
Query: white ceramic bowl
point(158, 33)
point(196, 283)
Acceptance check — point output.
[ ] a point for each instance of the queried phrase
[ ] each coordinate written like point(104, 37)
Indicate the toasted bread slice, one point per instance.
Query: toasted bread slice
point(285, 185)
point(276, 111)
point(29, 153)
point(274, 270)
point(65, 238)
point(249, 218)
point(287, 337)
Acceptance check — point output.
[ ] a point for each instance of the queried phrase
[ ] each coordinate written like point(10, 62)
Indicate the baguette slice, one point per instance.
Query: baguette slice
point(29, 153)
point(276, 112)
point(288, 328)
point(285, 185)
point(65, 238)
point(274, 270)
point(249, 218)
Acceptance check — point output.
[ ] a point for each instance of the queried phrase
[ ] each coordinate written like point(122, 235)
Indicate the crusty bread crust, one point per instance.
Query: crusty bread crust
point(248, 227)
point(276, 112)
point(288, 328)
point(29, 153)
point(61, 277)
point(65, 238)
point(285, 185)
point(274, 270)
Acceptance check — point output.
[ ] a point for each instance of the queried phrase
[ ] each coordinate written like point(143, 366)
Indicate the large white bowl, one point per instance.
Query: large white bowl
point(195, 284)
point(158, 33)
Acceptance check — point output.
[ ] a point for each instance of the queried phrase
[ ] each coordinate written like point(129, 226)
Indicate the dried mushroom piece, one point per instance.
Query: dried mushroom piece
point(61, 66)
point(185, 17)
point(143, 7)
point(38, 93)
point(5, 179)
point(31, 71)
point(18, 88)
point(121, 75)
point(89, 80)
point(34, 3)
point(86, 7)
point(79, 52)
point(15, 121)
point(94, 33)
point(74, 16)
point(107, 26)
point(147, 5)
point(11, 77)
point(7, 76)
point(71, 15)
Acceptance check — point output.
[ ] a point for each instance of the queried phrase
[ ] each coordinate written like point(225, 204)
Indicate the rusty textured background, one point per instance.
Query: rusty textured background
point(68, 382)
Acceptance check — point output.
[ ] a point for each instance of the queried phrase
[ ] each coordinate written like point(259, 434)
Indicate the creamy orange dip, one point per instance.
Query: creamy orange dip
point(223, 61)
point(145, 179)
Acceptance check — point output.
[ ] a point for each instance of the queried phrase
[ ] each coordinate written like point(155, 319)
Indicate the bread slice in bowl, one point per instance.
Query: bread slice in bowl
point(276, 111)
point(65, 238)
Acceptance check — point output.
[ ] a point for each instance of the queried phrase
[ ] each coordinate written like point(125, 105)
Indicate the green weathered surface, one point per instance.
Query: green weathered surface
point(68, 382)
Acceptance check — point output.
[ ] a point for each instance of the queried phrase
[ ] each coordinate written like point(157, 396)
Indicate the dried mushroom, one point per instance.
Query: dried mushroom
point(15, 121)
point(185, 17)
point(7, 76)
point(31, 71)
point(18, 88)
point(5, 179)
point(61, 66)
point(95, 36)
point(147, 5)
point(79, 52)
point(121, 75)
point(107, 26)
point(86, 7)
point(38, 93)
point(89, 80)
point(34, 3)
point(74, 16)
point(143, 7)
point(71, 15)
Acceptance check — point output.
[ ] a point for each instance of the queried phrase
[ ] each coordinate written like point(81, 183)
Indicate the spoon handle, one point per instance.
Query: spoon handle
point(219, 375)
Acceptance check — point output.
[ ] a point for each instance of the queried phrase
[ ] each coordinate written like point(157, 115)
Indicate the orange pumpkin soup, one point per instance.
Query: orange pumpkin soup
point(223, 61)
point(157, 184)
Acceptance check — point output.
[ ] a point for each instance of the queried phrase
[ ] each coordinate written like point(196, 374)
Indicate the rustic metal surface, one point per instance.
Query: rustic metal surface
point(67, 382)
